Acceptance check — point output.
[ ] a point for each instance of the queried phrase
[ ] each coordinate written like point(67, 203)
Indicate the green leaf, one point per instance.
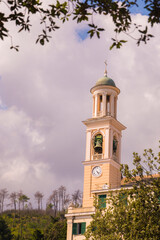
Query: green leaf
point(112, 46)
point(98, 34)
point(41, 41)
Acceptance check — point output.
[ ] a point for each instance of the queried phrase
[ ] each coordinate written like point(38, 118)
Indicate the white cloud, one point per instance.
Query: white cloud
point(15, 170)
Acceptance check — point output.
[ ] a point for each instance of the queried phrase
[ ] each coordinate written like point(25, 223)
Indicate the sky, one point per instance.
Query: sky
point(45, 96)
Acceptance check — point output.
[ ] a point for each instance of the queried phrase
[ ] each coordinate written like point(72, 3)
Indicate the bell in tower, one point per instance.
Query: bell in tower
point(98, 144)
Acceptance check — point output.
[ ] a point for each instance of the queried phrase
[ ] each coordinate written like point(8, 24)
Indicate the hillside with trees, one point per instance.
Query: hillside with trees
point(33, 225)
point(20, 220)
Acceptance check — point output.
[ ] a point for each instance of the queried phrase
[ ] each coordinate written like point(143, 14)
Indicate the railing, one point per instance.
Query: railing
point(100, 114)
point(108, 113)
point(97, 156)
point(98, 187)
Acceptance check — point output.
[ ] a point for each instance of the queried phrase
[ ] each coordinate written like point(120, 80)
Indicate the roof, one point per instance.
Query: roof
point(145, 178)
point(105, 81)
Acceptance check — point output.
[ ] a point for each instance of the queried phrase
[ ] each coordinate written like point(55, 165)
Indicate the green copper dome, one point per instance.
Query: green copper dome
point(105, 81)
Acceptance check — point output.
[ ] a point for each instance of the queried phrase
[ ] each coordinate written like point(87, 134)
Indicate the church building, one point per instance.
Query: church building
point(103, 155)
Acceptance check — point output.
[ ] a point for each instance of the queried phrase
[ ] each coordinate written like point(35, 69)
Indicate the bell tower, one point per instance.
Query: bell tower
point(103, 156)
point(103, 141)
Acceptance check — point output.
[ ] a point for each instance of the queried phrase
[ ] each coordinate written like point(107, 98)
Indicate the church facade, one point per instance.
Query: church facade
point(103, 156)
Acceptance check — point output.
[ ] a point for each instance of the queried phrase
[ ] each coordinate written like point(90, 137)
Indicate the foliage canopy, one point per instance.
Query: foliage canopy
point(51, 15)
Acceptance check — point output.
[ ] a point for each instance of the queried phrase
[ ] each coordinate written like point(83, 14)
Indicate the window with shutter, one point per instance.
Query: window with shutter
point(83, 227)
point(102, 201)
point(74, 229)
point(78, 228)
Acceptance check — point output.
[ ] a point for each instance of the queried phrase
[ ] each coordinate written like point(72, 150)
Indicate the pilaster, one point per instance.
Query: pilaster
point(88, 146)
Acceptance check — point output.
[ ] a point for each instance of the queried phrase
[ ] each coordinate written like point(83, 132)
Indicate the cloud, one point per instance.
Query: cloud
point(46, 94)
point(21, 141)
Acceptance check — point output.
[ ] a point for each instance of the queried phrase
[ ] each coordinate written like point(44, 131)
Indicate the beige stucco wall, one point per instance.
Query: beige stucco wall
point(79, 219)
point(110, 176)
point(114, 176)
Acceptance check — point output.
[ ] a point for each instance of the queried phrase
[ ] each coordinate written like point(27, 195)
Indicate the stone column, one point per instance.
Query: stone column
point(112, 105)
point(104, 104)
point(93, 110)
point(115, 107)
point(96, 105)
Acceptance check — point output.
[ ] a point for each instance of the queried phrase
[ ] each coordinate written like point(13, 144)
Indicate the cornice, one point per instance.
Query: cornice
point(110, 190)
point(103, 122)
point(79, 214)
point(104, 87)
point(97, 162)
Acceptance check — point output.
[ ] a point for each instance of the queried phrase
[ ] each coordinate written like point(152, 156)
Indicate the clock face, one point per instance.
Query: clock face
point(96, 171)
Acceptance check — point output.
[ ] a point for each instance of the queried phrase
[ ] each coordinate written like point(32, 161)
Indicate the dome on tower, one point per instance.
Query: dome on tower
point(105, 81)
